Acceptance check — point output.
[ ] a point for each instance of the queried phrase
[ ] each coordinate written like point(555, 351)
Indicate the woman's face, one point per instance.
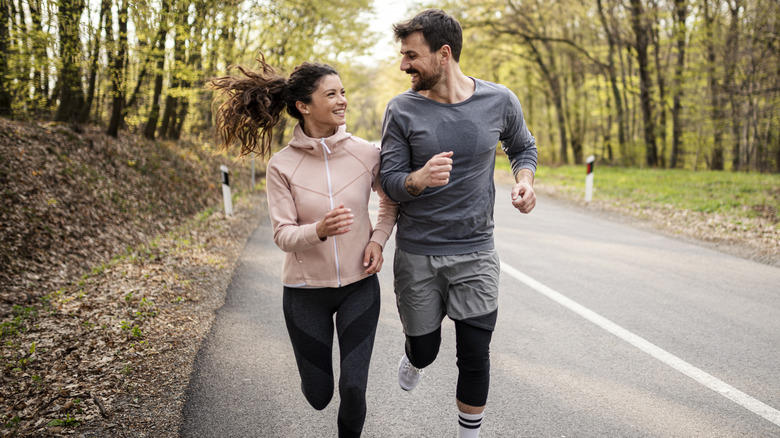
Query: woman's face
point(327, 109)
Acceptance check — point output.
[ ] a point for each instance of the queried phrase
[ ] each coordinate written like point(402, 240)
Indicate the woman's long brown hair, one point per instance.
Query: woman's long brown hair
point(256, 99)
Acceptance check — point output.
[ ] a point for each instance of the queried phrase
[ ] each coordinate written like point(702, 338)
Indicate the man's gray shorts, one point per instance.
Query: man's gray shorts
point(463, 287)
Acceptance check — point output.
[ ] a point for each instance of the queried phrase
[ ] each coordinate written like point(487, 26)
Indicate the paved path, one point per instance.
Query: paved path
point(604, 331)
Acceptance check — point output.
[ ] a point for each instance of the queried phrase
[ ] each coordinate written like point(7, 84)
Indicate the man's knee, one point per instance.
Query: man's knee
point(422, 350)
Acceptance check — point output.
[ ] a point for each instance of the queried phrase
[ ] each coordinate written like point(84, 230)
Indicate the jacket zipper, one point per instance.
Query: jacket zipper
point(325, 152)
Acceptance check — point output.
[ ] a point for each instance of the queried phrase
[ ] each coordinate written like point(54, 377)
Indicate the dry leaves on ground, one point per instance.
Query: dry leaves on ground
point(109, 277)
point(112, 354)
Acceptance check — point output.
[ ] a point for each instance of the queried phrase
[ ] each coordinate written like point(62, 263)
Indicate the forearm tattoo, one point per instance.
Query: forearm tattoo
point(411, 188)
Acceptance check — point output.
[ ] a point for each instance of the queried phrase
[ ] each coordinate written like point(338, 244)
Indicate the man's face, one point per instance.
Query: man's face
point(418, 61)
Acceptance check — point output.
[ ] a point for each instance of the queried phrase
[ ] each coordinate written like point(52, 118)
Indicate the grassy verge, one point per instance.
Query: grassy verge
point(735, 195)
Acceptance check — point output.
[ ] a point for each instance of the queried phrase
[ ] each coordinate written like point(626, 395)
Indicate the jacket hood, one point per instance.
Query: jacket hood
point(313, 146)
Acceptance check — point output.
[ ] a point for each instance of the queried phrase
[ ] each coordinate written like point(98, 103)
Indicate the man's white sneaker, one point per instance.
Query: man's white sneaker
point(408, 375)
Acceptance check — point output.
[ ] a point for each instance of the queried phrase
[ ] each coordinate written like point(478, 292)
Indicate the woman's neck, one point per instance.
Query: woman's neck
point(318, 132)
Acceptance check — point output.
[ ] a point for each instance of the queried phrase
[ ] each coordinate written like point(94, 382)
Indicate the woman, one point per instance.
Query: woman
point(318, 192)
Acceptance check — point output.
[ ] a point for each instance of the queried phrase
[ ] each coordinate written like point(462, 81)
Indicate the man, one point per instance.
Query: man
point(438, 156)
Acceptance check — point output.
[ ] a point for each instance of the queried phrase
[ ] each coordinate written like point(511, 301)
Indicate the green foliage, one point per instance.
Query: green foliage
point(543, 51)
point(21, 315)
point(68, 421)
point(553, 55)
point(10, 422)
point(369, 88)
point(204, 214)
point(292, 31)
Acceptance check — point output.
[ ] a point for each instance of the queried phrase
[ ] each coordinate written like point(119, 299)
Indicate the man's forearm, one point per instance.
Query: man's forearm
point(524, 175)
point(413, 187)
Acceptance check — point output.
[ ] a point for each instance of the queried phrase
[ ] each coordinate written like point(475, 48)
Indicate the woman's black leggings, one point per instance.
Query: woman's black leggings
point(309, 317)
point(473, 351)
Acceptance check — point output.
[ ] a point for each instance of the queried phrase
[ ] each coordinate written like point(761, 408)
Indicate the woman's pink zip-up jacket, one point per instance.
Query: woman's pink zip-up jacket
point(310, 177)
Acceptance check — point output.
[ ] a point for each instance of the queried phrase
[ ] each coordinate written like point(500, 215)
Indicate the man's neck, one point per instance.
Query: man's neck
point(453, 88)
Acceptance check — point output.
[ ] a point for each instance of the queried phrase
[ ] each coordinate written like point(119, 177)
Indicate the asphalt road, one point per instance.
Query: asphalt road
point(604, 330)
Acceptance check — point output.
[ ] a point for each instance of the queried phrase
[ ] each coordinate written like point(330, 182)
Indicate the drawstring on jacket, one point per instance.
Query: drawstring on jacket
point(325, 153)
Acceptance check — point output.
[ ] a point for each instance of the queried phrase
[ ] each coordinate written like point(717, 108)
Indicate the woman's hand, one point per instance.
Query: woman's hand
point(372, 260)
point(335, 222)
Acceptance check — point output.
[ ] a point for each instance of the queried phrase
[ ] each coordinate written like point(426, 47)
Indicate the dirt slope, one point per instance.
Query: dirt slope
point(114, 255)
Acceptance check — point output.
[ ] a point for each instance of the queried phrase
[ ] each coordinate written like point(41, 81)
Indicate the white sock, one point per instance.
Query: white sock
point(468, 425)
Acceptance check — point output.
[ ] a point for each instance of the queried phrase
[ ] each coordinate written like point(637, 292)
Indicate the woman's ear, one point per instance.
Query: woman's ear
point(302, 107)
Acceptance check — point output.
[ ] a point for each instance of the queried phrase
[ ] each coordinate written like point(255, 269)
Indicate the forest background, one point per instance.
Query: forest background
point(685, 84)
point(112, 252)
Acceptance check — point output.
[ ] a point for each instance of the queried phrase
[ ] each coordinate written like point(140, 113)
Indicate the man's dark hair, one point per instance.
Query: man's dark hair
point(437, 27)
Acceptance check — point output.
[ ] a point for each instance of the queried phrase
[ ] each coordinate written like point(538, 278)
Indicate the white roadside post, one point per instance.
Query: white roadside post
point(589, 179)
point(226, 191)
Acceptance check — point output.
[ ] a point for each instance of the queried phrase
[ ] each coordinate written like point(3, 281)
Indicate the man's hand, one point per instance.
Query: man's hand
point(435, 173)
point(335, 222)
point(523, 195)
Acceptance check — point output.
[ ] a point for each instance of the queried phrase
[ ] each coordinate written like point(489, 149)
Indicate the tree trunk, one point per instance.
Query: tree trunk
point(117, 74)
point(641, 45)
point(39, 52)
point(154, 113)
point(192, 63)
point(169, 115)
point(173, 100)
point(201, 105)
point(71, 88)
point(158, 54)
point(141, 78)
point(717, 162)
point(607, 119)
point(554, 82)
point(613, 80)
point(626, 71)
point(732, 48)
point(22, 57)
point(659, 74)
point(102, 24)
point(680, 15)
point(575, 107)
point(559, 111)
point(5, 92)
point(184, 106)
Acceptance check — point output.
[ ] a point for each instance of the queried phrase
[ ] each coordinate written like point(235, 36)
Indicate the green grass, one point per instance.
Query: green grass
point(730, 193)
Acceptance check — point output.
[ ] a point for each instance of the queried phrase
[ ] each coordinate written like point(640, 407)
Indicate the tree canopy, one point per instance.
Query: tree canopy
point(650, 83)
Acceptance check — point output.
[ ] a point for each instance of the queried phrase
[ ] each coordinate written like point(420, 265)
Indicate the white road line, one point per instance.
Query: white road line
point(713, 383)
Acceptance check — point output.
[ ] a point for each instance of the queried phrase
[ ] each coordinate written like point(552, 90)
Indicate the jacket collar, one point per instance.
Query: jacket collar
point(314, 145)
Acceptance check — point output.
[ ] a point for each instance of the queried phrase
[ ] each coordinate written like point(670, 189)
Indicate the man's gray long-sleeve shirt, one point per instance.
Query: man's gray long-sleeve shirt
point(456, 218)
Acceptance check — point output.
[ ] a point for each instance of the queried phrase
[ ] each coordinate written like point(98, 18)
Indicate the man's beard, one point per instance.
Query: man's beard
point(425, 82)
